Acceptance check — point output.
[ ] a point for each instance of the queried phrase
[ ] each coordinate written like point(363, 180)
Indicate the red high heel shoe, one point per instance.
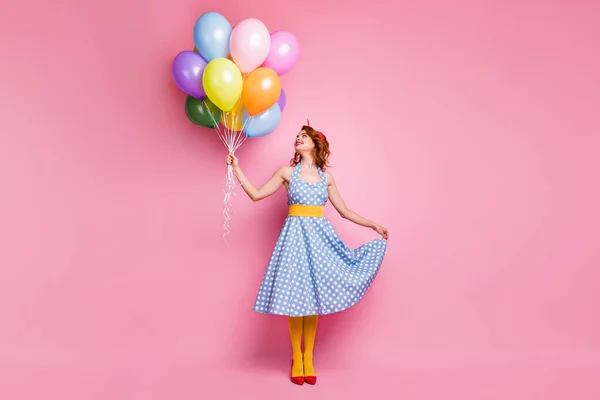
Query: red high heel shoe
point(298, 380)
point(311, 380)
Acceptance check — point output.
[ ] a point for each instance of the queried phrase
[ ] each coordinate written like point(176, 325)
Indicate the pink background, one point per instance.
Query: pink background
point(470, 134)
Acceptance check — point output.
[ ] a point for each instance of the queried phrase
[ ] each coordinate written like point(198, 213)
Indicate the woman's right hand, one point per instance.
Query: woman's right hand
point(232, 160)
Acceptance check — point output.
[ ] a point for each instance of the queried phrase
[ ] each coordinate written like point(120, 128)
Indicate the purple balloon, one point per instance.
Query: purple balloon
point(283, 52)
point(282, 100)
point(188, 67)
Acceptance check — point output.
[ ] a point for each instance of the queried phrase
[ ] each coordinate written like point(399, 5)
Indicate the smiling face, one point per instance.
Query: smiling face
point(304, 142)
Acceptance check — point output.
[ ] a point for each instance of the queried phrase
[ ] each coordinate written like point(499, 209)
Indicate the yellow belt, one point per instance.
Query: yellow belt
point(301, 210)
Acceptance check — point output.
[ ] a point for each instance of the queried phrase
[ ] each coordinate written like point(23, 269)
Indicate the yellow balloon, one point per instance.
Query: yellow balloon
point(233, 119)
point(222, 81)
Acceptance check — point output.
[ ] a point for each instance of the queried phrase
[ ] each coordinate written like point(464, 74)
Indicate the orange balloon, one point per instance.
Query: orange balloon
point(261, 90)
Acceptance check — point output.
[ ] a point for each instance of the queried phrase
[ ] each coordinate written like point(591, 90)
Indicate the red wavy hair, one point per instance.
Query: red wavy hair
point(321, 151)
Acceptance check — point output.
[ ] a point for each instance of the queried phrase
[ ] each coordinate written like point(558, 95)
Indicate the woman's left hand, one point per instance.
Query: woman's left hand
point(382, 231)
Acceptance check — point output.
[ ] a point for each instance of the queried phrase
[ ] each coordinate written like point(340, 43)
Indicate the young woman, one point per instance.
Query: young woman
point(311, 272)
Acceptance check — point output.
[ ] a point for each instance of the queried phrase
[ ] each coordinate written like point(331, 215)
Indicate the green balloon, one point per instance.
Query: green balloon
point(202, 112)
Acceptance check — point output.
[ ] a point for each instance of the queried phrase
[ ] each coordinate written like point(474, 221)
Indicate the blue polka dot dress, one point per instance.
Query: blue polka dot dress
point(311, 271)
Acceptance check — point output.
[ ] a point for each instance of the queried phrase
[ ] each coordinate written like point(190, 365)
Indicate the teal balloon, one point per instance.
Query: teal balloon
point(202, 112)
point(262, 124)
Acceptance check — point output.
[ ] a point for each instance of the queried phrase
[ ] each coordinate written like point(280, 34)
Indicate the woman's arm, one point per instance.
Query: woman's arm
point(338, 203)
point(270, 187)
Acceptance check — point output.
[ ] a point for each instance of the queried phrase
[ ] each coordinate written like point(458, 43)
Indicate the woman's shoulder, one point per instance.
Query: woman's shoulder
point(329, 178)
point(286, 171)
point(286, 168)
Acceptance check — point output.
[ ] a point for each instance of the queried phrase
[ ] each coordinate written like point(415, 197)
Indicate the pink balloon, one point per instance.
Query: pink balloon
point(249, 44)
point(283, 53)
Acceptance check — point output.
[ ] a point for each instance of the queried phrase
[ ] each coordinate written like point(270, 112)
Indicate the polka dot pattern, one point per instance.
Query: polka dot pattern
point(311, 271)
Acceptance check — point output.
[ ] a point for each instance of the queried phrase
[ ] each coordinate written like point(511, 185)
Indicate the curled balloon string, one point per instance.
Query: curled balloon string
point(229, 191)
point(232, 140)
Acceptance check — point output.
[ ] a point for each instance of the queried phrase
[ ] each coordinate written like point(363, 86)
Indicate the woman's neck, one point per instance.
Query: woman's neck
point(308, 162)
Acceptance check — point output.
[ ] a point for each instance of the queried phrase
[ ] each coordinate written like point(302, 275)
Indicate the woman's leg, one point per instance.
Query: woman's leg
point(295, 326)
point(310, 332)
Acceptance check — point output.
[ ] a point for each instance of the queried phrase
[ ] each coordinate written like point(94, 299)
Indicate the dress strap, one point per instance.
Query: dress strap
point(322, 175)
point(296, 172)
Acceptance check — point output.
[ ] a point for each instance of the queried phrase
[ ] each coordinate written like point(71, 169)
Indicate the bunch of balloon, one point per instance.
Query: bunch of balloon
point(232, 82)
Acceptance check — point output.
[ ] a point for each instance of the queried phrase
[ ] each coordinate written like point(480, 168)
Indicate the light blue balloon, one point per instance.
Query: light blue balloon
point(211, 35)
point(261, 124)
